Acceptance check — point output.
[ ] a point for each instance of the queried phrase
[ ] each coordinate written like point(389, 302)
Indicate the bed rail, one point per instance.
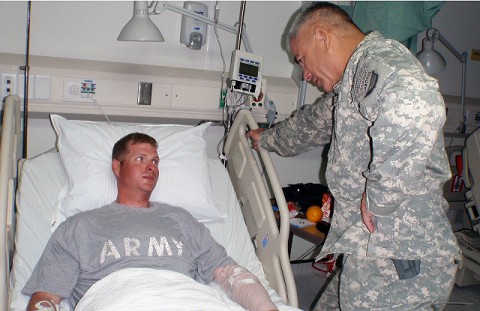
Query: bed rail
point(269, 238)
point(10, 152)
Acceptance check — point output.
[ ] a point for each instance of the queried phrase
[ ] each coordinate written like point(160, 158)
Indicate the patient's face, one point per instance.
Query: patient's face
point(139, 169)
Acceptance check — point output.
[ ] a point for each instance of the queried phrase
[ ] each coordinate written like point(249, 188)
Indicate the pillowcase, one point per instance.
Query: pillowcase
point(85, 150)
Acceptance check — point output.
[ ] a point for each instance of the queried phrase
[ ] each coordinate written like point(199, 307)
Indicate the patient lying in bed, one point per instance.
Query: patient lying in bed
point(133, 232)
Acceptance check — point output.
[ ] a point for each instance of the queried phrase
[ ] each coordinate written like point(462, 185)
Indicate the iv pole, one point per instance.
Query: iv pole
point(229, 120)
point(26, 68)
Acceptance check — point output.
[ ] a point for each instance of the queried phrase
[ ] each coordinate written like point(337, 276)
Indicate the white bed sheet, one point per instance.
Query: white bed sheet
point(156, 290)
point(43, 177)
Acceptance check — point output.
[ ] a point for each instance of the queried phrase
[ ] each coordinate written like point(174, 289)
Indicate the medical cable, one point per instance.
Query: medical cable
point(231, 113)
point(94, 100)
point(228, 115)
point(239, 102)
point(450, 143)
point(222, 77)
point(223, 93)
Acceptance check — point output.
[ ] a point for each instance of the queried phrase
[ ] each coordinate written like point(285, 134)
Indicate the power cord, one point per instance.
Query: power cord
point(271, 111)
point(94, 100)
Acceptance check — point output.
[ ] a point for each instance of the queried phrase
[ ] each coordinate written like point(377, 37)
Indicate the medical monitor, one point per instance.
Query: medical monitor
point(246, 73)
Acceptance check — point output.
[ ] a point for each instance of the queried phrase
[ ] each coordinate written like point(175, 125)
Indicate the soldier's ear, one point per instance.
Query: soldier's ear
point(321, 35)
point(116, 167)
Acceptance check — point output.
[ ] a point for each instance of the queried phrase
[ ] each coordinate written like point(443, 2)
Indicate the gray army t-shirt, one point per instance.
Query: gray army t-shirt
point(91, 245)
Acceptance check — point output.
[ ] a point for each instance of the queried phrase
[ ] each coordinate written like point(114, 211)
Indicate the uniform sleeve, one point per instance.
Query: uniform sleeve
point(407, 145)
point(57, 269)
point(309, 128)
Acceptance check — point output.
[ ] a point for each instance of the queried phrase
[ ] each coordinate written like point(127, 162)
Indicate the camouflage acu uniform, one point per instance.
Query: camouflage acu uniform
point(384, 121)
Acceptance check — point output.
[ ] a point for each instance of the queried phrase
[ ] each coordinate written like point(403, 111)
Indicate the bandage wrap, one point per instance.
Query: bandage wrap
point(45, 305)
point(243, 287)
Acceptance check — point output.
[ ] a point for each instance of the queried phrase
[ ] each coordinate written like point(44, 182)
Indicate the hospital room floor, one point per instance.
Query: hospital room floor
point(309, 281)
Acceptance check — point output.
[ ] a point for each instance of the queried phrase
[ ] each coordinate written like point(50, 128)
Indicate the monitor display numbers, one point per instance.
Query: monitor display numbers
point(249, 70)
point(246, 72)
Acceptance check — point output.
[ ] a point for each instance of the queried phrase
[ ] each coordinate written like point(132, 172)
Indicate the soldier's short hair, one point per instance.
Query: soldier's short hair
point(121, 146)
point(328, 13)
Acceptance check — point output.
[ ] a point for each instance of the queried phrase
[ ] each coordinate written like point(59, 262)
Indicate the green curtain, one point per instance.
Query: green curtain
point(399, 20)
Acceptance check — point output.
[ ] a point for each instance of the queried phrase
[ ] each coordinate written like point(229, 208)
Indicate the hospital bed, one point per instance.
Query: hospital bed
point(247, 227)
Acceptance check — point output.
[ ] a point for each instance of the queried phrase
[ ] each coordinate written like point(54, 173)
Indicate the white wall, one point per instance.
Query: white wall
point(458, 21)
point(89, 30)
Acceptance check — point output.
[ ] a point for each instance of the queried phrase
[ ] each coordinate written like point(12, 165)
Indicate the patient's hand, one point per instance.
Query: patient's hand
point(255, 136)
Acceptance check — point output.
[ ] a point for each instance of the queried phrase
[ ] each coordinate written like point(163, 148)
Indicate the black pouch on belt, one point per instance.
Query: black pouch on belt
point(406, 268)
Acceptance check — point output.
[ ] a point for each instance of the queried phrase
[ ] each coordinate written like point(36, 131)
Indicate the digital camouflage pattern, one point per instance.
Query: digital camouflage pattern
point(389, 143)
point(384, 121)
point(374, 279)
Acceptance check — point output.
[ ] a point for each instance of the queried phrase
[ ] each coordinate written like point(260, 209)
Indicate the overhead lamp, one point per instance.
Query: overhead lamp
point(433, 62)
point(141, 28)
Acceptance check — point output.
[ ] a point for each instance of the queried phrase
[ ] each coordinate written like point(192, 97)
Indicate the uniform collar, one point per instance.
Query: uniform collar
point(357, 54)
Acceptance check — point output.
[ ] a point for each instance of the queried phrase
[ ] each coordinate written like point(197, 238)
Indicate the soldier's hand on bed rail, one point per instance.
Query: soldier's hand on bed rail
point(254, 135)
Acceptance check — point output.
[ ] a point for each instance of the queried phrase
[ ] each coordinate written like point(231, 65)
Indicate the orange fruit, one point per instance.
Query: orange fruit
point(314, 213)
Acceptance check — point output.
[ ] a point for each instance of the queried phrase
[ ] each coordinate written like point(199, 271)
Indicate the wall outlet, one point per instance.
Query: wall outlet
point(8, 84)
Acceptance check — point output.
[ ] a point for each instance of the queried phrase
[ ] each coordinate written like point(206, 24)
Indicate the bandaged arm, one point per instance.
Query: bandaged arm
point(243, 287)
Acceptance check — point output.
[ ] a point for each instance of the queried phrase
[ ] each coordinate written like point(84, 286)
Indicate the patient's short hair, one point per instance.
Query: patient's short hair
point(121, 146)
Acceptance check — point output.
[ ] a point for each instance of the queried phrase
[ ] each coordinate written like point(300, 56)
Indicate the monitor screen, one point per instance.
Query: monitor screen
point(249, 70)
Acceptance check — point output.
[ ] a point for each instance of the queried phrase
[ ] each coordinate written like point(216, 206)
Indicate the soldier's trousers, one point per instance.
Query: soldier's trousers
point(367, 283)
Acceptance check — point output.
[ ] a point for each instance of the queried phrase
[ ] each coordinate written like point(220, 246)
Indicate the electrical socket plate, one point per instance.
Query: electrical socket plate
point(258, 103)
point(79, 90)
point(144, 96)
point(8, 84)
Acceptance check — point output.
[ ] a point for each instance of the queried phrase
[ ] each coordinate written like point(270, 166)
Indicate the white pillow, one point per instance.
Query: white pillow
point(86, 147)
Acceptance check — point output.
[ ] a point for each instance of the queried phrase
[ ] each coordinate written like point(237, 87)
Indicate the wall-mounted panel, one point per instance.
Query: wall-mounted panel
point(161, 95)
point(116, 92)
point(198, 97)
point(180, 95)
point(284, 102)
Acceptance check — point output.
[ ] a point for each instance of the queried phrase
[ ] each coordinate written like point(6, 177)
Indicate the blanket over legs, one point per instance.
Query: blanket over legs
point(149, 289)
